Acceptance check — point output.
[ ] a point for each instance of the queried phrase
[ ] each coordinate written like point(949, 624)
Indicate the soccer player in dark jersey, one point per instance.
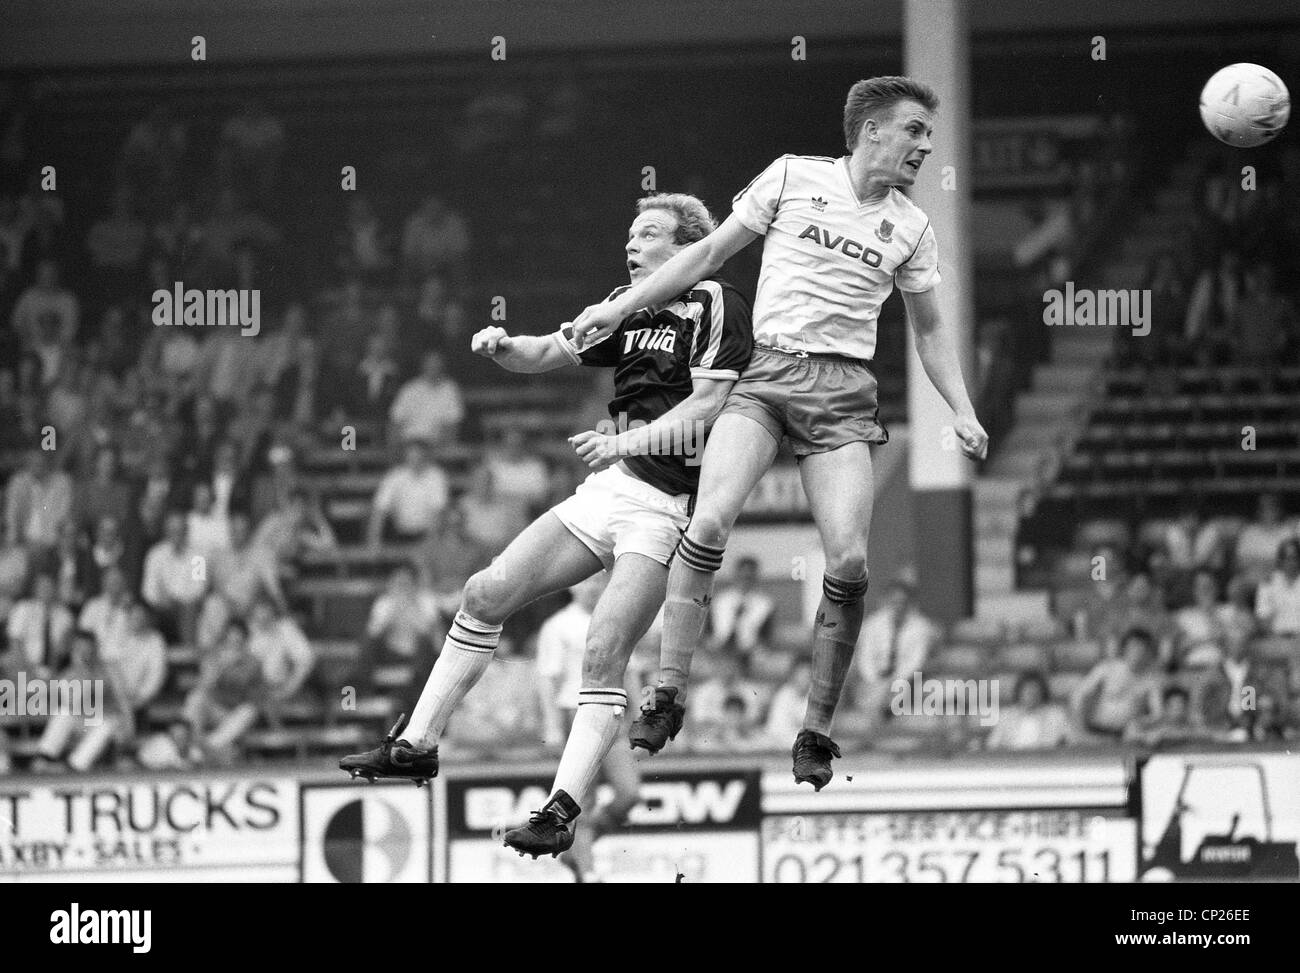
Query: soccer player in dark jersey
point(674, 363)
point(838, 237)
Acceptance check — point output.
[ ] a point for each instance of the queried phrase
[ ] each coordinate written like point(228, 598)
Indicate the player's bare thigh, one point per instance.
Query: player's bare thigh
point(546, 557)
point(626, 608)
point(840, 493)
point(738, 452)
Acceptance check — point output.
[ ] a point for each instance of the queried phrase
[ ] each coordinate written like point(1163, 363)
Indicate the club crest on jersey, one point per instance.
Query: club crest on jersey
point(886, 231)
point(653, 339)
point(819, 204)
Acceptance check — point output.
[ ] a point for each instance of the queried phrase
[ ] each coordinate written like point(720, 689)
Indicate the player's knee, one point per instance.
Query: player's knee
point(849, 564)
point(709, 527)
point(486, 597)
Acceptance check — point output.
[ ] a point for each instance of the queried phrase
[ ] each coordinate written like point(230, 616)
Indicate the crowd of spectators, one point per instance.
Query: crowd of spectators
point(160, 511)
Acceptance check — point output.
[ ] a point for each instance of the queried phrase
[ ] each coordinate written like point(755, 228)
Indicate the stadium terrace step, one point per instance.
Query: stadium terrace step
point(1043, 404)
point(1058, 377)
point(1014, 608)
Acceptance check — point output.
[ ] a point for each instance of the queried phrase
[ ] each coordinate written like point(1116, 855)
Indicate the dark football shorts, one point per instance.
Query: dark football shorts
point(817, 402)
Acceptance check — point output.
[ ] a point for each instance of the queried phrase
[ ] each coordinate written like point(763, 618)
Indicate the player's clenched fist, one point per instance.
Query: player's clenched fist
point(596, 322)
point(595, 449)
point(974, 440)
point(489, 342)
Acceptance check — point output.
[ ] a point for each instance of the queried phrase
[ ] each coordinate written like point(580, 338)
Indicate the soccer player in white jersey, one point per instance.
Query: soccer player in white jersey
point(838, 236)
point(674, 361)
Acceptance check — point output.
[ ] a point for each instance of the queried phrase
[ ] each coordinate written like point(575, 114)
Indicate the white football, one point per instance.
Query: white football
point(1245, 105)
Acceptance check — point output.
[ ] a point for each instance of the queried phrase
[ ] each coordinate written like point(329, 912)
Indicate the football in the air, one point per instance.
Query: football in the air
point(1245, 105)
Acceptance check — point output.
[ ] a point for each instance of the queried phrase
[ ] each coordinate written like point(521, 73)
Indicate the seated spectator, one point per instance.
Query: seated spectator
point(239, 576)
point(152, 152)
point(517, 473)
point(154, 497)
point(136, 657)
point(1200, 630)
point(252, 143)
point(447, 558)
point(105, 494)
point(1033, 722)
point(405, 624)
point(410, 499)
point(561, 646)
point(429, 407)
point(203, 432)
point(1190, 544)
point(785, 715)
point(1106, 600)
point(1238, 613)
point(363, 244)
point(116, 245)
point(15, 563)
point(1143, 607)
point(1277, 602)
point(108, 548)
point(737, 731)
point(207, 525)
point(723, 678)
point(1172, 726)
point(46, 317)
point(500, 712)
point(434, 240)
point(894, 643)
point(38, 630)
point(1259, 540)
point(1226, 698)
point(296, 526)
point(491, 519)
point(371, 385)
point(71, 566)
point(1264, 321)
point(175, 580)
point(37, 501)
point(105, 615)
point(741, 616)
point(290, 369)
point(286, 655)
point(87, 734)
point(1117, 692)
point(1273, 723)
point(227, 699)
point(230, 469)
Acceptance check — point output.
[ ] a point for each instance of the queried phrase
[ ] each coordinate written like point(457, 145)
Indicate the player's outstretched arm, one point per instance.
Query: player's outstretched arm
point(683, 270)
point(936, 346)
point(520, 353)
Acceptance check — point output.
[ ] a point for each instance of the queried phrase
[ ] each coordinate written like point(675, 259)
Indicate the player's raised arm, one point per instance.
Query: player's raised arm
point(520, 353)
point(936, 345)
point(691, 264)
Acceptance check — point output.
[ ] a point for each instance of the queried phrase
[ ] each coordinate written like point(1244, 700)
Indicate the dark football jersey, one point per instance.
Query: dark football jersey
point(704, 333)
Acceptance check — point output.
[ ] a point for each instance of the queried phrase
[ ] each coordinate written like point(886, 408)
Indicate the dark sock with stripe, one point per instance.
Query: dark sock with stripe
point(686, 609)
point(835, 636)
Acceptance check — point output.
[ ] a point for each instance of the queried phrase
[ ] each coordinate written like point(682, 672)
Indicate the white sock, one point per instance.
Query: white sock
point(466, 655)
point(595, 728)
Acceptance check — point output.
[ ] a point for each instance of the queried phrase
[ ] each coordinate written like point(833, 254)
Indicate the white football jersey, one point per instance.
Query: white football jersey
point(829, 260)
